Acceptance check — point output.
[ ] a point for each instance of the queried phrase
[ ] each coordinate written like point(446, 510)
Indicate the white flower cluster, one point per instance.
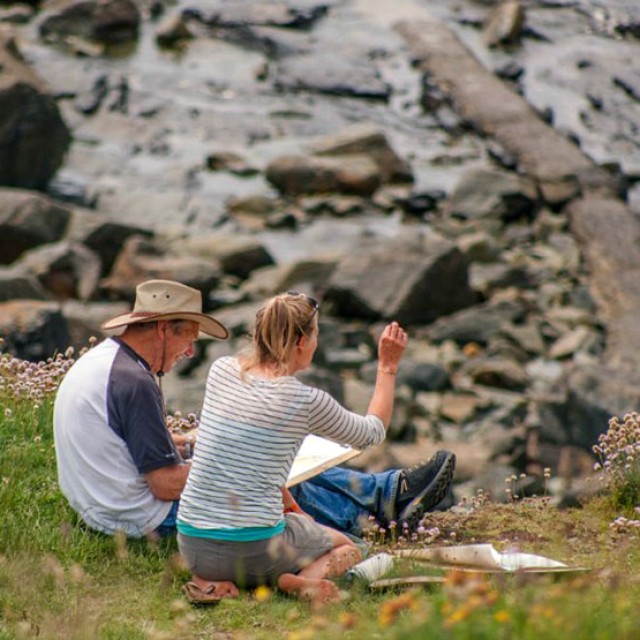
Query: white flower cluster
point(619, 447)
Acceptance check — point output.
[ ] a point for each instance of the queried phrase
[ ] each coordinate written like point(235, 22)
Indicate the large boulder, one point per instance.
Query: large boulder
point(17, 283)
point(33, 329)
point(413, 280)
point(65, 269)
point(143, 259)
point(33, 136)
point(28, 220)
point(581, 407)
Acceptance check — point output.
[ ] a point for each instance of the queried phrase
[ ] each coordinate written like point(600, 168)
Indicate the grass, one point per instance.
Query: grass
point(60, 580)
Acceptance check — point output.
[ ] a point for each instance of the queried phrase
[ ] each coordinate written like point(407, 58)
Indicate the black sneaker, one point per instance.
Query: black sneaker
point(423, 487)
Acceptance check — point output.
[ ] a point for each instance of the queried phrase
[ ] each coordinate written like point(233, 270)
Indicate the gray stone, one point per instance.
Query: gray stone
point(296, 175)
point(17, 283)
point(504, 24)
point(296, 14)
point(107, 239)
point(491, 193)
point(27, 220)
point(107, 21)
point(65, 269)
point(412, 280)
point(239, 255)
point(368, 140)
point(497, 372)
point(173, 31)
point(527, 336)
point(33, 329)
point(488, 277)
point(143, 259)
point(476, 324)
point(332, 73)
point(84, 319)
point(583, 406)
point(33, 136)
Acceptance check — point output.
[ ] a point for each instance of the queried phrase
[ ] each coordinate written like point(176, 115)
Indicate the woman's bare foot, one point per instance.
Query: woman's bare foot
point(317, 592)
point(210, 590)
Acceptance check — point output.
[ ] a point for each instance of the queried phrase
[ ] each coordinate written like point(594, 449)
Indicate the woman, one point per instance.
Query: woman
point(255, 416)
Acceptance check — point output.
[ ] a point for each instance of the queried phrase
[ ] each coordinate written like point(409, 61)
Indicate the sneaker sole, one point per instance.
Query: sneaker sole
point(431, 496)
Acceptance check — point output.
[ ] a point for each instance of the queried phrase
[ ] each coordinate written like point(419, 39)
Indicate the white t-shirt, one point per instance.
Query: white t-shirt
point(109, 429)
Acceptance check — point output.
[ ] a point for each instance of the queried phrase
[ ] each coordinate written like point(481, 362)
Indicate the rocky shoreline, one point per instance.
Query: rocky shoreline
point(405, 172)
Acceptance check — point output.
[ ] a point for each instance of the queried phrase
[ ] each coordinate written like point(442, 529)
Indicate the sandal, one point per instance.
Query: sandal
point(196, 595)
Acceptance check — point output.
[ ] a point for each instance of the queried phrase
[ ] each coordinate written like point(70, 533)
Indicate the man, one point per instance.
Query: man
point(119, 466)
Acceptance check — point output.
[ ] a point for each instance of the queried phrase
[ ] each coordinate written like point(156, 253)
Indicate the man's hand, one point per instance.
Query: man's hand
point(185, 443)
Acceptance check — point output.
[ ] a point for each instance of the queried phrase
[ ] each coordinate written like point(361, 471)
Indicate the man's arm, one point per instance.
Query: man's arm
point(167, 483)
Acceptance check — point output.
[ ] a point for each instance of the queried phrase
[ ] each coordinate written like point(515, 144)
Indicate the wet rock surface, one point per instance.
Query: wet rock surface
point(472, 170)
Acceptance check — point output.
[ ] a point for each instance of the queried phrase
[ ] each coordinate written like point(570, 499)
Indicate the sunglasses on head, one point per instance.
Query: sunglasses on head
point(315, 305)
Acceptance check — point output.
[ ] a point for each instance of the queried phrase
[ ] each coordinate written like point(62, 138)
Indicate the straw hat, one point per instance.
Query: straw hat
point(168, 300)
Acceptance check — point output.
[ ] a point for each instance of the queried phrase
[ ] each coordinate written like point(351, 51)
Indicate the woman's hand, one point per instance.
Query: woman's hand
point(391, 346)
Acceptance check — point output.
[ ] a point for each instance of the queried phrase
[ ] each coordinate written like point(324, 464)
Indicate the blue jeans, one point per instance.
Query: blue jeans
point(344, 499)
point(339, 498)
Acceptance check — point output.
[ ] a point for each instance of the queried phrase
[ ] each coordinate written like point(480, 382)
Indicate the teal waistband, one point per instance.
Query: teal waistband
point(241, 534)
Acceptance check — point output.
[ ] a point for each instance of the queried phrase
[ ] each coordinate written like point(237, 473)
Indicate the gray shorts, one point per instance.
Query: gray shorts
point(250, 564)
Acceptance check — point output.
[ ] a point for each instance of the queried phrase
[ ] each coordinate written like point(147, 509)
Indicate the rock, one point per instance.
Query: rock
point(271, 280)
point(33, 329)
point(497, 372)
point(458, 407)
point(487, 278)
point(274, 42)
point(67, 270)
point(173, 31)
point(570, 343)
point(504, 24)
point(527, 336)
point(367, 140)
point(331, 73)
point(412, 280)
point(27, 220)
point(478, 246)
point(16, 283)
point(231, 162)
point(143, 259)
point(107, 239)
point(17, 13)
point(33, 136)
point(483, 193)
point(296, 175)
point(72, 188)
point(106, 21)
point(345, 359)
point(84, 319)
point(476, 324)
point(239, 318)
point(238, 255)
point(581, 408)
point(295, 14)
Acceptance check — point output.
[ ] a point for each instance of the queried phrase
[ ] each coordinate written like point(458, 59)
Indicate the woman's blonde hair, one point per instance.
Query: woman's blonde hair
point(278, 327)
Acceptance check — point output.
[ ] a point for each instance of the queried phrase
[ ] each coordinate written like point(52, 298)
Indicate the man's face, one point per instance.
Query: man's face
point(179, 342)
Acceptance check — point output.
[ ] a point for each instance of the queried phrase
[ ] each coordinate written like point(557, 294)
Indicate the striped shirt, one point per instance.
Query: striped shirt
point(250, 431)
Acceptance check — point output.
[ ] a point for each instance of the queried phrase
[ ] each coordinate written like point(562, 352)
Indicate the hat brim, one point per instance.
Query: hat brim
point(207, 324)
